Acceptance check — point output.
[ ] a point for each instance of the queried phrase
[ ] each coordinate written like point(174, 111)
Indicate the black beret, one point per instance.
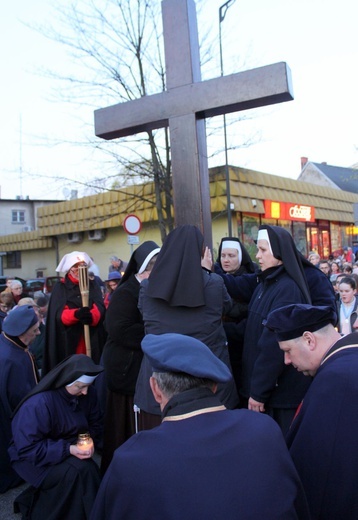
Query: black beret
point(292, 321)
point(179, 353)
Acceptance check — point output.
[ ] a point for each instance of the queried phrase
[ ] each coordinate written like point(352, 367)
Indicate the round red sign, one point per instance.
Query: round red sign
point(132, 224)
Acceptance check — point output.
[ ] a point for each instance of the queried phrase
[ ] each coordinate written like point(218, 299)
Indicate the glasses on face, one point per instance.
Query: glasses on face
point(80, 264)
point(74, 268)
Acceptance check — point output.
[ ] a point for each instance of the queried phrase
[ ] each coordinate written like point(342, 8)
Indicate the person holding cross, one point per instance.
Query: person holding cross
point(183, 297)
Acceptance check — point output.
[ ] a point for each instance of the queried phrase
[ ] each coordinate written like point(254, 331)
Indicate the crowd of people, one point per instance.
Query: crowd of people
point(175, 369)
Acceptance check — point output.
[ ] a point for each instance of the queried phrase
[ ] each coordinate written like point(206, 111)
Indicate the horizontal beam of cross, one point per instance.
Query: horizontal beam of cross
point(249, 89)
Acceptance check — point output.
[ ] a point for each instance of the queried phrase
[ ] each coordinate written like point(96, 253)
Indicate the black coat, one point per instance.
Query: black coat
point(17, 377)
point(203, 323)
point(61, 341)
point(122, 355)
point(265, 377)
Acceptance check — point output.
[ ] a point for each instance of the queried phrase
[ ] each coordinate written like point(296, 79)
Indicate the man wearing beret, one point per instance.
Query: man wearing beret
point(323, 436)
point(203, 461)
point(18, 375)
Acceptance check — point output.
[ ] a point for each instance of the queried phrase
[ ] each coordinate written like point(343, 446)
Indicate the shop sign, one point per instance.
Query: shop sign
point(350, 230)
point(289, 211)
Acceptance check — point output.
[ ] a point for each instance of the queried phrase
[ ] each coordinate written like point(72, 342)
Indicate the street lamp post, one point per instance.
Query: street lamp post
point(222, 13)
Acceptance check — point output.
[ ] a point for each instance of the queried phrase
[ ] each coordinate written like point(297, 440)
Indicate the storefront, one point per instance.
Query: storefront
point(309, 234)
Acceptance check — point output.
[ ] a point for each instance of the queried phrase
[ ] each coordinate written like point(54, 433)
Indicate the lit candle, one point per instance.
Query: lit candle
point(84, 442)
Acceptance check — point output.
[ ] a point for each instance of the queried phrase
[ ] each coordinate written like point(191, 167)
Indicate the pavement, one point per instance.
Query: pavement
point(7, 501)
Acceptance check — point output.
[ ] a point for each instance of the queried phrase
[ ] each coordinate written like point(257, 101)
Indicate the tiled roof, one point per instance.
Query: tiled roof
point(345, 178)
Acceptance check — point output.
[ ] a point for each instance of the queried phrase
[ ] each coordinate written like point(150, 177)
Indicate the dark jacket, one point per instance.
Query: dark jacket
point(211, 467)
point(203, 323)
point(122, 353)
point(2, 317)
point(239, 308)
point(323, 437)
point(321, 289)
point(265, 377)
point(17, 377)
point(46, 425)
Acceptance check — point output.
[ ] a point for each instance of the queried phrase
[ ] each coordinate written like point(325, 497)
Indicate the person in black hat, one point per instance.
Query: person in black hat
point(203, 461)
point(323, 436)
point(122, 353)
point(18, 375)
point(45, 427)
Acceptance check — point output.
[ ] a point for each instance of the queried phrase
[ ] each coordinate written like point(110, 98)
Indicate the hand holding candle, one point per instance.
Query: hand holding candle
point(84, 447)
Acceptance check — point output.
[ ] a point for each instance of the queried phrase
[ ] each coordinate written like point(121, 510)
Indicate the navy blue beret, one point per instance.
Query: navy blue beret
point(292, 321)
point(19, 320)
point(179, 353)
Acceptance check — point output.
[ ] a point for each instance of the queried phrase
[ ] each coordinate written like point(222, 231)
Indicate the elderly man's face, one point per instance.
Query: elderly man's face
point(29, 336)
point(298, 352)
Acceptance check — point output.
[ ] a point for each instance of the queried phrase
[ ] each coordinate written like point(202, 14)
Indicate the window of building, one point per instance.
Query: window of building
point(13, 260)
point(18, 216)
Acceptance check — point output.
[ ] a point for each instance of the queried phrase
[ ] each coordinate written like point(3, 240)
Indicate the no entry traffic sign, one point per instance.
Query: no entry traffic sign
point(132, 224)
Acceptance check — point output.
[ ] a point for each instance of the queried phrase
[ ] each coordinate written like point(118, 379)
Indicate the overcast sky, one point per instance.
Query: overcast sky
point(317, 39)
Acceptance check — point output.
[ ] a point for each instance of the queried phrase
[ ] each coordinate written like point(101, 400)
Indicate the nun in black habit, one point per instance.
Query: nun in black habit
point(64, 479)
point(233, 258)
point(184, 298)
point(122, 355)
point(268, 385)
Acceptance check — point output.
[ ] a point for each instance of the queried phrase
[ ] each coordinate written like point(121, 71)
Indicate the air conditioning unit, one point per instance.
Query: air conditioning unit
point(96, 234)
point(74, 237)
point(27, 228)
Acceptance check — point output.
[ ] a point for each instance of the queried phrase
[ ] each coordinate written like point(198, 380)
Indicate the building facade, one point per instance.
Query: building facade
point(319, 218)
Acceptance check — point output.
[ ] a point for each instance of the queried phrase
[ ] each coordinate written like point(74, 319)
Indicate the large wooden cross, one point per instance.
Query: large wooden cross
point(185, 105)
